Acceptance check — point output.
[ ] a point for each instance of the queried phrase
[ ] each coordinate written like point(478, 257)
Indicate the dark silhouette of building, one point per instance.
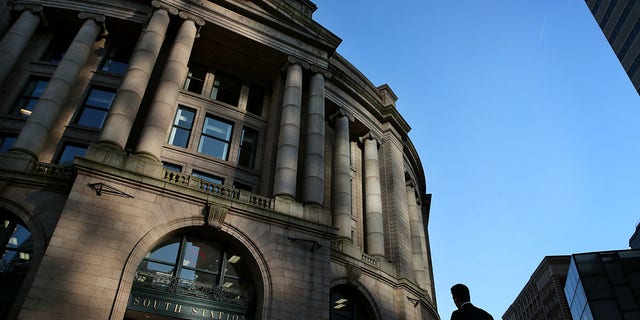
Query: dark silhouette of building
point(620, 23)
point(542, 298)
point(634, 241)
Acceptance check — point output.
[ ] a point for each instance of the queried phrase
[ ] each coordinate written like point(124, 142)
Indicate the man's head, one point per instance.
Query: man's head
point(460, 294)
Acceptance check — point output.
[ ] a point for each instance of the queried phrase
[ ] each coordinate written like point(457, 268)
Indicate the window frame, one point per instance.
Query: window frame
point(175, 127)
point(27, 95)
point(96, 108)
point(227, 143)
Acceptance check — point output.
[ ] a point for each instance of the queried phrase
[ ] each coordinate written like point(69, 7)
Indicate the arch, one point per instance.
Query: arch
point(361, 293)
point(39, 242)
point(257, 262)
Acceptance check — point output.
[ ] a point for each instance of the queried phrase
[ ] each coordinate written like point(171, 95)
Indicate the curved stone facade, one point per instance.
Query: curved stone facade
point(128, 123)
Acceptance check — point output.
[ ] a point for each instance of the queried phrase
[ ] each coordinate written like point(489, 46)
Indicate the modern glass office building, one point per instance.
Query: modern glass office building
point(604, 285)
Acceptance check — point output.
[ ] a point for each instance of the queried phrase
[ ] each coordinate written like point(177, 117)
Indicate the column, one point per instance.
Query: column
point(373, 197)
point(288, 141)
point(127, 101)
point(163, 105)
point(417, 238)
point(35, 132)
point(313, 190)
point(342, 175)
point(16, 39)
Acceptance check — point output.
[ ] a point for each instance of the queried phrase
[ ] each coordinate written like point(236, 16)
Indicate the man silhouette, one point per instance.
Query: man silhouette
point(466, 311)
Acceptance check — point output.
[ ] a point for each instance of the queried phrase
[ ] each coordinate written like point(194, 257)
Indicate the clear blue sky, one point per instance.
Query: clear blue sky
point(526, 124)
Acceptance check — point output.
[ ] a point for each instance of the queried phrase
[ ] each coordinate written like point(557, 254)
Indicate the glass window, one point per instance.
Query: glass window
point(58, 46)
point(207, 177)
point(117, 59)
point(242, 186)
point(182, 125)
point(70, 152)
point(255, 100)
point(6, 143)
point(30, 95)
point(195, 78)
point(96, 107)
point(171, 166)
point(215, 138)
point(17, 251)
point(248, 148)
point(226, 88)
point(202, 255)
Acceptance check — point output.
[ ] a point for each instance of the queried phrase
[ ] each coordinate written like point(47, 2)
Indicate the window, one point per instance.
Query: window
point(192, 267)
point(70, 152)
point(17, 252)
point(195, 78)
point(182, 125)
point(216, 137)
point(226, 88)
point(349, 304)
point(207, 177)
point(171, 166)
point(117, 59)
point(6, 143)
point(30, 95)
point(248, 148)
point(58, 46)
point(255, 100)
point(242, 186)
point(95, 108)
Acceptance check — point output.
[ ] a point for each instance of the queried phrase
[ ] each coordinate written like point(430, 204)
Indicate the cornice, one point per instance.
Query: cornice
point(131, 11)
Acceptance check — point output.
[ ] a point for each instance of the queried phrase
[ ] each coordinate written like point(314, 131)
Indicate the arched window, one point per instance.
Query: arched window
point(192, 275)
point(349, 304)
point(17, 251)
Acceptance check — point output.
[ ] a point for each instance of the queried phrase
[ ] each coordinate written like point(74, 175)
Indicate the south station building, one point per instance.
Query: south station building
point(194, 159)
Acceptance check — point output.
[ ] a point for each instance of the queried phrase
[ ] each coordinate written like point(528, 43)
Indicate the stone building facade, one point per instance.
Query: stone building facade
point(201, 159)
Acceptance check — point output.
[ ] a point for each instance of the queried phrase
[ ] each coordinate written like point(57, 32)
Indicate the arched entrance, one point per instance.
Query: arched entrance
point(193, 275)
point(347, 303)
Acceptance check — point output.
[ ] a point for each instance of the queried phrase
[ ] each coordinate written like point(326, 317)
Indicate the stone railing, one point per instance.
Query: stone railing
point(371, 260)
point(52, 170)
point(218, 190)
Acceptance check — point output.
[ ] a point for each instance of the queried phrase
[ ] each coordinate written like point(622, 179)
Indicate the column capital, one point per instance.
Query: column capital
point(163, 6)
point(98, 18)
point(342, 112)
point(296, 60)
point(317, 69)
point(26, 6)
point(198, 21)
point(371, 136)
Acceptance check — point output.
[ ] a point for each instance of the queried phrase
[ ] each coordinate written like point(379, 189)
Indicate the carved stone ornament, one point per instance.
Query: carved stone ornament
point(159, 5)
point(353, 275)
point(189, 16)
point(326, 73)
point(31, 7)
point(215, 215)
point(372, 136)
point(95, 17)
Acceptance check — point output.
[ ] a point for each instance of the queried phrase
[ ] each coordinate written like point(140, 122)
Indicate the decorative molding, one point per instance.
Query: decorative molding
point(215, 214)
point(192, 17)
point(295, 60)
point(353, 275)
point(343, 113)
point(163, 6)
point(317, 69)
point(370, 136)
point(96, 17)
point(35, 8)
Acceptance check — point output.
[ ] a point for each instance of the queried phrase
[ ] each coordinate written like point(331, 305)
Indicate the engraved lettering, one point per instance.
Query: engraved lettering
point(167, 304)
point(177, 308)
point(204, 312)
point(194, 311)
point(146, 303)
point(156, 304)
point(235, 317)
point(136, 301)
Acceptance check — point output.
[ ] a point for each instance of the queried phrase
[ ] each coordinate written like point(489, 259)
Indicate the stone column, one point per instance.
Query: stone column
point(417, 238)
point(342, 175)
point(163, 105)
point(288, 141)
point(313, 190)
point(35, 132)
point(373, 197)
point(16, 39)
point(127, 101)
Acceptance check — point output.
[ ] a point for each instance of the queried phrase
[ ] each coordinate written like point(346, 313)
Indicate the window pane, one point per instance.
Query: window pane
point(69, 153)
point(218, 129)
point(20, 239)
point(207, 177)
point(93, 118)
point(167, 252)
point(6, 143)
point(255, 100)
point(199, 276)
point(100, 98)
point(202, 255)
point(213, 147)
point(118, 58)
point(30, 95)
point(95, 109)
point(181, 130)
point(226, 88)
point(248, 147)
point(171, 166)
point(195, 78)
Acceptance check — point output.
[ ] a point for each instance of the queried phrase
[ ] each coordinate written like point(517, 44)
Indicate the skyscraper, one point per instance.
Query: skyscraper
point(620, 23)
point(199, 159)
